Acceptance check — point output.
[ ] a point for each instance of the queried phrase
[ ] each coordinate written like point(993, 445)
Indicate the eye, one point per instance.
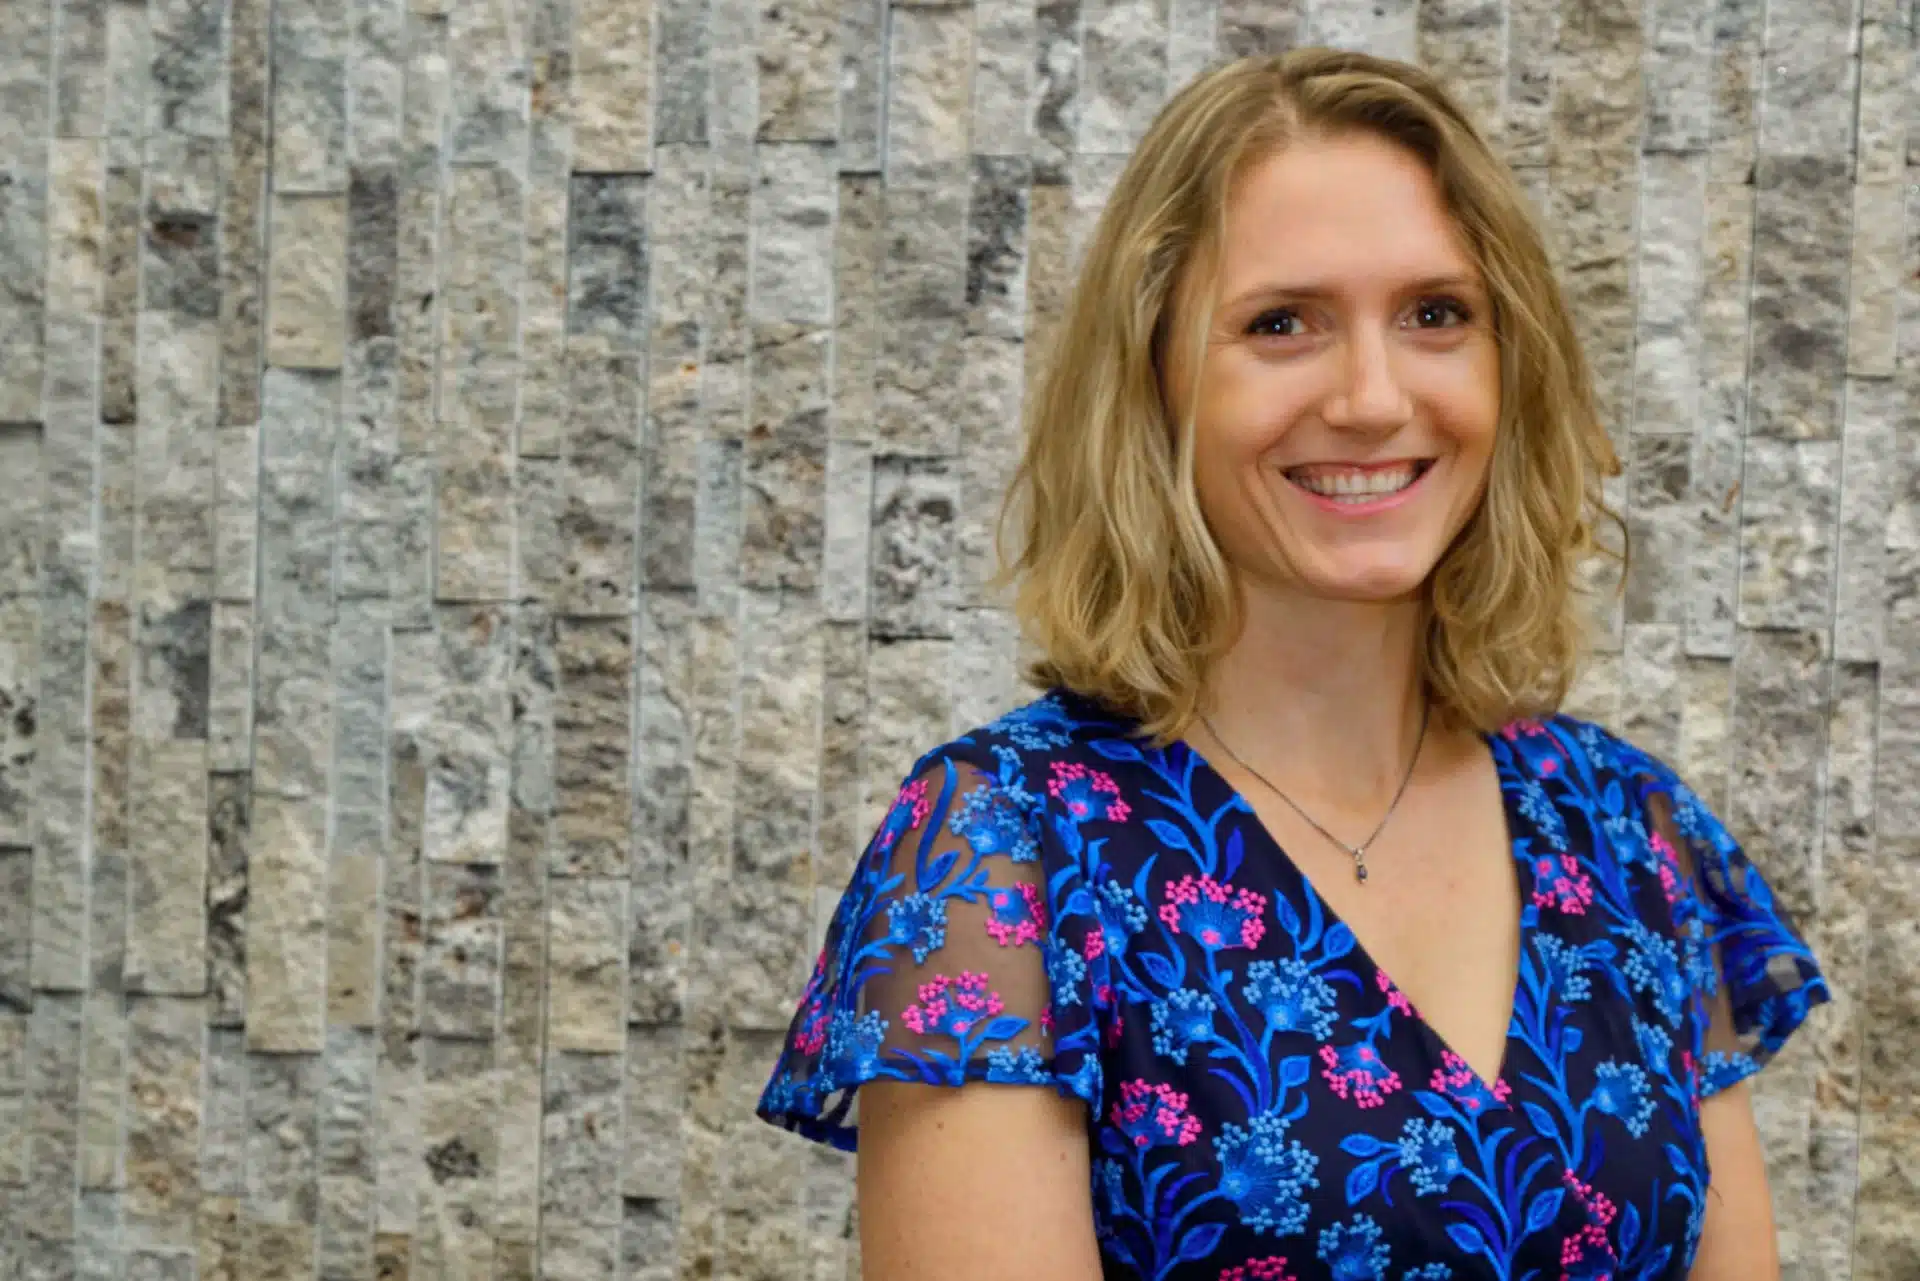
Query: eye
point(1277, 322)
point(1434, 313)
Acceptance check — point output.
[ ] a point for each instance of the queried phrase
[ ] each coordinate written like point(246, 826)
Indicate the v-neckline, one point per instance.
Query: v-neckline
point(1523, 883)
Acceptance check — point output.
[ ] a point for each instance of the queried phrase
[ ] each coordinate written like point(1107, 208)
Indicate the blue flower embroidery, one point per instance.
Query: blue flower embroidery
point(1266, 1174)
point(1620, 1089)
point(1353, 1250)
point(1427, 1151)
point(1185, 1017)
point(1291, 997)
point(920, 922)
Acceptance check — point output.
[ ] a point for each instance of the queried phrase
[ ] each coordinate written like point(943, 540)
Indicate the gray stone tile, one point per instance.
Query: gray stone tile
point(59, 793)
point(373, 247)
point(1879, 236)
point(863, 81)
point(309, 97)
point(1679, 62)
point(663, 784)
point(1389, 28)
point(460, 962)
point(733, 43)
point(761, 1201)
point(612, 87)
point(1252, 27)
point(543, 294)
point(15, 1119)
point(235, 511)
point(1789, 500)
point(189, 90)
point(606, 288)
point(53, 1114)
point(683, 86)
point(376, 81)
point(724, 383)
point(417, 279)
point(229, 827)
point(353, 928)
point(103, 1060)
point(780, 695)
point(242, 296)
point(1779, 715)
point(649, 1239)
point(412, 549)
point(1463, 42)
point(593, 734)
point(843, 720)
point(488, 55)
point(1124, 72)
point(982, 680)
point(1057, 76)
point(762, 951)
point(1653, 694)
point(997, 246)
point(906, 714)
point(799, 59)
point(1003, 43)
point(360, 664)
point(166, 868)
point(1714, 567)
point(858, 251)
point(582, 1144)
point(19, 716)
point(175, 647)
point(991, 432)
point(400, 1173)
point(343, 1237)
point(166, 1045)
point(1738, 33)
point(848, 492)
point(517, 1190)
point(656, 1101)
point(586, 959)
point(286, 930)
point(792, 214)
point(107, 918)
point(23, 201)
point(1799, 306)
point(473, 528)
point(16, 935)
point(470, 738)
point(129, 79)
point(24, 75)
point(1669, 286)
point(1810, 80)
point(307, 282)
point(230, 697)
point(459, 1105)
point(1882, 121)
point(282, 1137)
point(73, 232)
point(923, 285)
point(912, 547)
point(1875, 408)
point(716, 533)
point(120, 292)
point(785, 461)
point(97, 1255)
point(928, 111)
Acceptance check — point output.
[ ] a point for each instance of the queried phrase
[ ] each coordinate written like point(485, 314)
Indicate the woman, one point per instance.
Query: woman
point(1292, 933)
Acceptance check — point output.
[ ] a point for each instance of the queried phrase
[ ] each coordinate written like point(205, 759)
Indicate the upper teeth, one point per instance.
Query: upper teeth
point(1337, 484)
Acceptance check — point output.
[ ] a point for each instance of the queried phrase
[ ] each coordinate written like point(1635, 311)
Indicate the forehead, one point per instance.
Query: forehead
point(1344, 213)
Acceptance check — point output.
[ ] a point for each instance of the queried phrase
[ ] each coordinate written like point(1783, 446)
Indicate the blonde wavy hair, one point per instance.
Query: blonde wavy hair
point(1122, 591)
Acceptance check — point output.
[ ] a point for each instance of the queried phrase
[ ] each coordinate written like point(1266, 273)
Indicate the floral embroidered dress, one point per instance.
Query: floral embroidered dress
point(1051, 902)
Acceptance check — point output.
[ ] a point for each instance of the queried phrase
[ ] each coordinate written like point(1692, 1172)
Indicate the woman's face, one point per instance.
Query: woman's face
point(1351, 383)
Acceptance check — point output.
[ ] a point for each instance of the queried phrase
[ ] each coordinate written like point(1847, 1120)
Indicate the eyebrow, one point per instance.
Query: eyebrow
point(1316, 291)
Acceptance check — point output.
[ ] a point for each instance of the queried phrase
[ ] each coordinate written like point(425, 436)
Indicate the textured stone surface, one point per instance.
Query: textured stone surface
point(501, 492)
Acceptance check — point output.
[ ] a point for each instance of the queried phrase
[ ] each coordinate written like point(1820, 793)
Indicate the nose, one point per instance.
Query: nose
point(1369, 396)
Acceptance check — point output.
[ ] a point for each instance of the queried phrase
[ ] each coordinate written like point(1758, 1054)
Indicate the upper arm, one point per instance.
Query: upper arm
point(1737, 1237)
point(988, 1181)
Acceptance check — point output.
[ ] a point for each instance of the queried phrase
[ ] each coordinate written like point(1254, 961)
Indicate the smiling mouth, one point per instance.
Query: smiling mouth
point(1357, 485)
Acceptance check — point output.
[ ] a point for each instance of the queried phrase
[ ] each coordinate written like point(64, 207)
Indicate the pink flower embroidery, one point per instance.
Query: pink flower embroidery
point(1560, 884)
point(1355, 1071)
point(1271, 1268)
point(1461, 1084)
point(951, 1005)
point(1395, 997)
point(1088, 793)
point(1589, 1247)
point(1017, 916)
point(1214, 915)
point(1153, 1114)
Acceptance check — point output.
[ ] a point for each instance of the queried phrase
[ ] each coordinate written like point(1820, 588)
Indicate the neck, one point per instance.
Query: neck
point(1323, 694)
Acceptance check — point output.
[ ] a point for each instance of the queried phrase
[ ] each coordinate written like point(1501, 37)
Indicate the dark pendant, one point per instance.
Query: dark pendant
point(1360, 873)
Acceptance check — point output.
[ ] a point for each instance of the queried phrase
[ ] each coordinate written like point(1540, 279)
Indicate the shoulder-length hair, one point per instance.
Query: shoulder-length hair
point(1123, 594)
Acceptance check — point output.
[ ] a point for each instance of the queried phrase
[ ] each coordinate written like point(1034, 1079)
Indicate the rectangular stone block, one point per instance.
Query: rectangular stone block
point(799, 56)
point(53, 1112)
point(583, 1139)
point(1799, 303)
point(592, 752)
point(1883, 121)
point(119, 290)
point(663, 786)
point(460, 962)
point(785, 463)
point(843, 732)
point(656, 1103)
point(587, 958)
point(307, 282)
point(16, 928)
point(1124, 72)
point(1714, 567)
point(230, 697)
point(912, 548)
point(353, 940)
point(607, 256)
point(417, 280)
point(19, 706)
point(14, 1119)
point(235, 515)
point(189, 86)
point(612, 86)
point(74, 227)
point(1879, 240)
point(286, 926)
point(488, 54)
point(460, 1102)
point(244, 196)
point(1789, 500)
point(930, 54)
point(166, 1043)
point(1779, 715)
point(282, 1137)
point(167, 864)
point(229, 826)
point(23, 203)
point(1057, 76)
point(780, 695)
point(1667, 370)
point(1868, 494)
point(103, 1032)
point(376, 81)
point(848, 487)
point(174, 648)
point(1810, 80)
point(467, 771)
point(309, 97)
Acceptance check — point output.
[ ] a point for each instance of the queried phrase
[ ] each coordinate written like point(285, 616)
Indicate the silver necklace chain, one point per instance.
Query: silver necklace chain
point(1358, 852)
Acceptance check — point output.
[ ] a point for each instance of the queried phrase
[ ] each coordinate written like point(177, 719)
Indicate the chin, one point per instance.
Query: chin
point(1374, 585)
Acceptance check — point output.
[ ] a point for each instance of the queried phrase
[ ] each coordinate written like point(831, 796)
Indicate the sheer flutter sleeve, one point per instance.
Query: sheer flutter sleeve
point(1753, 974)
point(956, 955)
